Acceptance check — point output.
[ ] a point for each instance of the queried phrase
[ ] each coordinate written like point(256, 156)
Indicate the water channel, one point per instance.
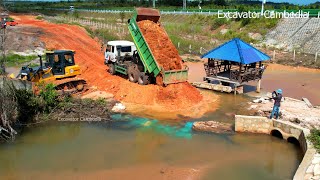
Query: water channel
point(139, 148)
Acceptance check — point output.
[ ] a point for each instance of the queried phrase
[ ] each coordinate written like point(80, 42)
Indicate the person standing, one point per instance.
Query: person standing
point(277, 96)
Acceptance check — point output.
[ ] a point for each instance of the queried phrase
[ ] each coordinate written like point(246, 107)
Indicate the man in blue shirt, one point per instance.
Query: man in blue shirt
point(277, 96)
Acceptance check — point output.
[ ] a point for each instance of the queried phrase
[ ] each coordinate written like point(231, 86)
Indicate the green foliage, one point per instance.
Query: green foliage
point(122, 16)
point(76, 14)
point(241, 9)
point(89, 31)
point(15, 59)
point(28, 105)
point(218, 22)
point(49, 94)
point(39, 17)
point(261, 25)
point(245, 22)
point(314, 137)
point(101, 101)
point(10, 19)
point(105, 34)
point(220, 2)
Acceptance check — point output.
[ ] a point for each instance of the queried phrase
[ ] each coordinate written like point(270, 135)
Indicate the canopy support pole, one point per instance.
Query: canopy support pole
point(258, 86)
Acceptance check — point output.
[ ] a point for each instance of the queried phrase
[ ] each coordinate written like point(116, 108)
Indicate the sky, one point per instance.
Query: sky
point(301, 2)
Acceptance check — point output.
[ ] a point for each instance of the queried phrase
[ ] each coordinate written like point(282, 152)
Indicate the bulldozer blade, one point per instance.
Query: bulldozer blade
point(147, 14)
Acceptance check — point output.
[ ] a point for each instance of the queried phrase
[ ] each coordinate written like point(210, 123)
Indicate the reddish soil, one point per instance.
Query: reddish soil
point(161, 46)
point(173, 98)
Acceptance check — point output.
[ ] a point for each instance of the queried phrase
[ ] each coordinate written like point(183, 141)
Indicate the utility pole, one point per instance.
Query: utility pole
point(184, 4)
point(3, 18)
point(262, 6)
point(154, 3)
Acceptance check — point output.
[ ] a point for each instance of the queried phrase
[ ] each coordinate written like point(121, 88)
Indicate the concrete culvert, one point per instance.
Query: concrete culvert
point(276, 133)
point(293, 140)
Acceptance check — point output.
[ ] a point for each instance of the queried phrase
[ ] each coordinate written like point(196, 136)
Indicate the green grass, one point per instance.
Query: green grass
point(191, 60)
point(314, 137)
point(16, 60)
point(39, 17)
point(195, 30)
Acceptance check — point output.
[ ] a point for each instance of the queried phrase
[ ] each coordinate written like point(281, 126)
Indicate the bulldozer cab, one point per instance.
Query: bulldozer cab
point(59, 60)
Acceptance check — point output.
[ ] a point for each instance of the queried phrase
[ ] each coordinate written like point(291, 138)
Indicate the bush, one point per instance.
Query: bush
point(76, 15)
point(15, 59)
point(218, 22)
point(39, 17)
point(314, 137)
point(245, 22)
point(49, 94)
point(28, 105)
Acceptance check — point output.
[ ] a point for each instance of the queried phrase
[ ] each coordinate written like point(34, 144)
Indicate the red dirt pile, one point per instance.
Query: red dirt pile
point(173, 98)
point(161, 46)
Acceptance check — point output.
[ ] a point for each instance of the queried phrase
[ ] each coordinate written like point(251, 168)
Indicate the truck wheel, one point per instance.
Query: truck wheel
point(133, 74)
point(111, 70)
point(143, 79)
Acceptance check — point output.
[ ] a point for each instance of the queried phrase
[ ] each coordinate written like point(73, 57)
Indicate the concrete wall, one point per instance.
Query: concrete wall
point(252, 124)
point(257, 124)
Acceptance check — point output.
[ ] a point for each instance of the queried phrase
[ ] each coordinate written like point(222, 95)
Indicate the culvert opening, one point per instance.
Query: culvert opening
point(294, 141)
point(277, 134)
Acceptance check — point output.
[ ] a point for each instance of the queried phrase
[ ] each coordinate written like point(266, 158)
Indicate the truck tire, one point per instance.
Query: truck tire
point(143, 79)
point(112, 69)
point(133, 74)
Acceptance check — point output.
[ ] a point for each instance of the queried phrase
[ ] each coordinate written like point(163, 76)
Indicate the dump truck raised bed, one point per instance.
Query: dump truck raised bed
point(138, 62)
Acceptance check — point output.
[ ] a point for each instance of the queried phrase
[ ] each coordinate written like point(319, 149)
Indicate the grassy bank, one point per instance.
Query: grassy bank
point(24, 108)
point(18, 60)
point(189, 33)
point(314, 137)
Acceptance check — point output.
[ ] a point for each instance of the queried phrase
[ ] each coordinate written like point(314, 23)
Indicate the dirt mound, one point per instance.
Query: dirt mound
point(161, 46)
point(21, 39)
point(173, 98)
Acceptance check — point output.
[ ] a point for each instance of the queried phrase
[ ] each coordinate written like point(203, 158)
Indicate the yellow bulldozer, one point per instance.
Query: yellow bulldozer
point(59, 69)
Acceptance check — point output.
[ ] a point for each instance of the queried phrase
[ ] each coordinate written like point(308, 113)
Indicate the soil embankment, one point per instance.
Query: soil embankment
point(175, 99)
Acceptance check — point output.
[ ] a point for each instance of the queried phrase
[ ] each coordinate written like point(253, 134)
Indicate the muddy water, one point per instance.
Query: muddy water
point(126, 149)
point(295, 82)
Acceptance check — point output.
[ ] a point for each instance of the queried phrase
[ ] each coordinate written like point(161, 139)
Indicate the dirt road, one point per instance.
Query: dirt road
point(175, 99)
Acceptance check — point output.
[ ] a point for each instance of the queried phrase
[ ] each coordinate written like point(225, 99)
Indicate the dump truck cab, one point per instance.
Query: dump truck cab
point(118, 49)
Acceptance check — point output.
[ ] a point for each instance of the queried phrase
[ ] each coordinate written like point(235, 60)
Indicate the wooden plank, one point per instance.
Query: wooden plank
point(223, 80)
point(307, 102)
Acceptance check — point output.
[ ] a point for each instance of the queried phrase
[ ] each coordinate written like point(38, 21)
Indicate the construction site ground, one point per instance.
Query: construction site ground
point(171, 102)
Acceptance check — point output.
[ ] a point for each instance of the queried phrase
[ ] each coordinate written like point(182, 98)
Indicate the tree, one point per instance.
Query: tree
point(220, 2)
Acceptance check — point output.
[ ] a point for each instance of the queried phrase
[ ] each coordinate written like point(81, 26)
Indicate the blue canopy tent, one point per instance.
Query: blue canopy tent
point(235, 60)
point(237, 50)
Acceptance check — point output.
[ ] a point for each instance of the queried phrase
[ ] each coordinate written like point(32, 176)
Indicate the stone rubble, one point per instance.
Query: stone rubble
point(313, 171)
point(293, 110)
point(212, 126)
point(118, 107)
